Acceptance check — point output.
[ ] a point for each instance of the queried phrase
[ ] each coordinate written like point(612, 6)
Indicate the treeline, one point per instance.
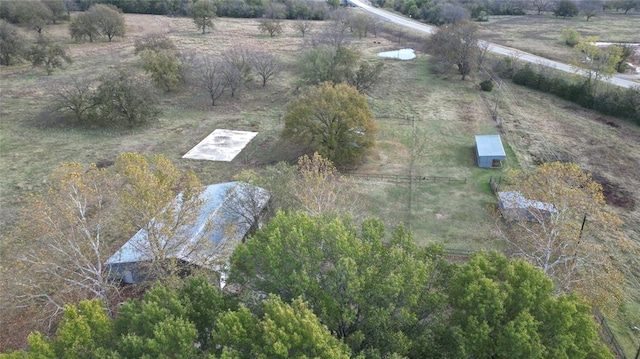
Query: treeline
point(619, 102)
point(319, 287)
point(441, 12)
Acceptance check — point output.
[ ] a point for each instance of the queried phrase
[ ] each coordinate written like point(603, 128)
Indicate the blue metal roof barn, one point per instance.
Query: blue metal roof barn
point(214, 225)
point(489, 151)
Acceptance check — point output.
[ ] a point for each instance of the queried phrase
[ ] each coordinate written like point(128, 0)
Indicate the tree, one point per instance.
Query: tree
point(84, 26)
point(12, 44)
point(210, 76)
point(164, 67)
point(154, 42)
point(570, 36)
point(146, 202)
point(600, 63)
point(272, 27)
point(108, 19)
point(367, 75)
point(570, 243)
point(507, 309)
point(590, 9)
point(123, 99)
point(627, 5)
point(33, 13)
point(368, 293)
point(266, 65)
point(325, 62)
point(203, 12)
point(566, 8)
point(48, 53)
point(319, 188)
point(69, 229)
point(284, 331)
point(333, 120)
point(59, 11)
point(456, 44)
point(76, 100)
point(540, 5)
point(303, 25)
point(237, 69)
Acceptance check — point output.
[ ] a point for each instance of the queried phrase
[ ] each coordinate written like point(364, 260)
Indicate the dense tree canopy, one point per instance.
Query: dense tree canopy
point(333, 120)
point(12, 44)
point(456, 45)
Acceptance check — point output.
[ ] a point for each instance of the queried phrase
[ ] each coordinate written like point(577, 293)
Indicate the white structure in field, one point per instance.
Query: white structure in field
point(221, 145)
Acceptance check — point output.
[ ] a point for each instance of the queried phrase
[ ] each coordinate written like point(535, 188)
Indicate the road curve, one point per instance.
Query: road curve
point(498, 49)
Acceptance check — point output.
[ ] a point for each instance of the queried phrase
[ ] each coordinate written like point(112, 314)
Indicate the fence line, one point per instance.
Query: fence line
point(607, 335)
point(405, 178)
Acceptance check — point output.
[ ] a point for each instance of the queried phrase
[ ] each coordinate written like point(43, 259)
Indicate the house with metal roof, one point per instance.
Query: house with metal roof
point(207, 242)
point(489, 151)
point(515, 207)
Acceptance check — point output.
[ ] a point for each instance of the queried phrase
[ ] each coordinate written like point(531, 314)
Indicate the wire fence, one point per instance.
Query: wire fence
point(405, 178)
point(608, 337)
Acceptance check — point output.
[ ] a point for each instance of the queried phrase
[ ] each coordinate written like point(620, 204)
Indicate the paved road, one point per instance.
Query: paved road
point(498, 49)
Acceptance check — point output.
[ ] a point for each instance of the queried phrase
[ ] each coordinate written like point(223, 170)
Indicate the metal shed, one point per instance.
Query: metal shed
point(223, 230)
point(489, 151)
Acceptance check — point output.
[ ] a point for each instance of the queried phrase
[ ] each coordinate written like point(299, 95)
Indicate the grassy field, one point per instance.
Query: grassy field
point(541, 34)
point(438, 113)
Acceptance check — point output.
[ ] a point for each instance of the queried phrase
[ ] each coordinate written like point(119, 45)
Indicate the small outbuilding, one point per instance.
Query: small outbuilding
point(515, 207)
point(489, 151)
point(207, 242)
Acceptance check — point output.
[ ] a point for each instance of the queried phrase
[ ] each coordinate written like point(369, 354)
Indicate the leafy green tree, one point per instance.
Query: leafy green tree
point(32, 13)
point(272, 27)
point(164, 67)
point(284, 331)
point(328, 63)
point(333, 120)
point(570, 36)
point(333, 4)
point(507, 309)
point(48, 53)
point(566, 8)
point(203, 12)
point(367, 75)
point(108, 19)
point(371, 294)
point(12, 44)
point(59, 11)
point(84, 26)
point(123, 99)
point(599, 62)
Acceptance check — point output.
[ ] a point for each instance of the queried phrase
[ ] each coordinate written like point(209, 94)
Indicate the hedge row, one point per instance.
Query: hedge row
point(618, 102)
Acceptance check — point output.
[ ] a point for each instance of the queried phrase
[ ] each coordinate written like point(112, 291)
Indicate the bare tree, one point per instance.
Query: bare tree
point(245, 204)
point(266, 65)
point(540, 5)
point(303, 25)
point(67, 229)
point(210, 76)
point(590, 8)
point(456, 44)
point(76, 98)
point(238, 69)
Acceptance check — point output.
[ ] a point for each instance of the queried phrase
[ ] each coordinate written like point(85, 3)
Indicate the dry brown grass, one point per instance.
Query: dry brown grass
point(541, 35)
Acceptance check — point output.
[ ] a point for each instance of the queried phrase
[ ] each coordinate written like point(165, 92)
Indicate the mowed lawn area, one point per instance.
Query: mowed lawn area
point(425, 119)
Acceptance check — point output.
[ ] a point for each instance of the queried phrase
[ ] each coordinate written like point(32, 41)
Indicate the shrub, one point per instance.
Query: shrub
point(486, 85)
point(570, 36)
